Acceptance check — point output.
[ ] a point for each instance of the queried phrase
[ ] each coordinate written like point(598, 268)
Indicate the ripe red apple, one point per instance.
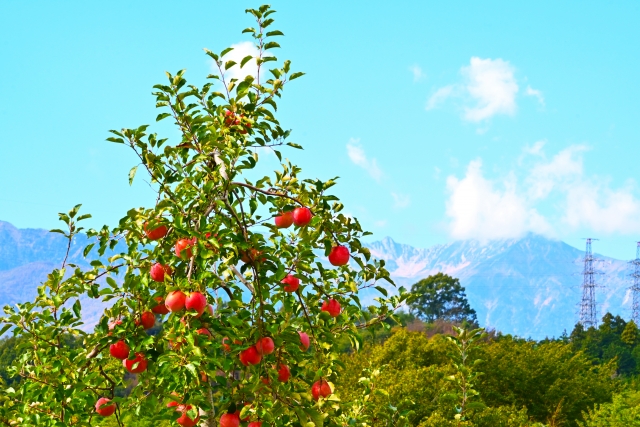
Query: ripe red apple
point(119, 350)
point(332, 307)
point(284, 373)
point(175, 301)
point(105, 411)
point(320, 388)
point(155, 233)
point(183, 248)
point(135, 365)
point(301, 216)
point(339, 255)
point(113, 324)
point(184, 419)
point(251, 255)
point(147, 320)
point(265, 346)
point(255, 424)
point(284, 220)
point(159, 271)
point(229, 118)
point(229, 420)
point(173, 403)
point(250, 356)
point(160, 308)
point(291, 283)
point(196, 302)
point(209, 308)
point(304, 340)
point(203, 331)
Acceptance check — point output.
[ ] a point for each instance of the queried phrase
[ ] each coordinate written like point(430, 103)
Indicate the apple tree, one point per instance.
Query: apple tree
point(251, 280)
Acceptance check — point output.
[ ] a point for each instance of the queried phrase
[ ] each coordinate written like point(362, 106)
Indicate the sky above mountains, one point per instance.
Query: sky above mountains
point(486, 121)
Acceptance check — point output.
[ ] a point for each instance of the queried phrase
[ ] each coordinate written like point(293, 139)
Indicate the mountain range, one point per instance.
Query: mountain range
point(528, 287)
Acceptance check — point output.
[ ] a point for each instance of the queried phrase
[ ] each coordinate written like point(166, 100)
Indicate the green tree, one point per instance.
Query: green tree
point(623, 411)
point(630, 334)
point(210, 235)
point(441, 297)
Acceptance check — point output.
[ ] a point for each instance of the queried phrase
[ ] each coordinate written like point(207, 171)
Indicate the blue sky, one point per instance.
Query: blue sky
point(444, 120)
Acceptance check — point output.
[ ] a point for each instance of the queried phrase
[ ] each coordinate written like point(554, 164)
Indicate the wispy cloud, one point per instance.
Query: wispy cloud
point(417, 72)
point(400, 201)
point(356, 153)
point(536, 93)
point(488, 88)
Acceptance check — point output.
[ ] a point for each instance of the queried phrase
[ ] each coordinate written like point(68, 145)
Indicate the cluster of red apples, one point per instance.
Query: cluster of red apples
point(196, 303)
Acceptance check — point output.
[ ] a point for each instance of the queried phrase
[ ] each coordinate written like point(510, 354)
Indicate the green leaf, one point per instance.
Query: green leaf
point(229, 64)
point(316, 417)
point(4, 329)
point(245, 60)
point(132, 174)
point(162, 116)
point(296, 75)
point(76, 308)
point(271, 45)
point(275, 33)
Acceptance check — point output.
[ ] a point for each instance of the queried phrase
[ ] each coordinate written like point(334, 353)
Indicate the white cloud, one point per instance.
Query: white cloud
point(492, 85)
point(489, 88)
point(356, 153)
point(481, 209)
point(510, 206)
point(417, 72)
point(439, 97)
point(400, 201)
point(535, 92)
point(239, 52)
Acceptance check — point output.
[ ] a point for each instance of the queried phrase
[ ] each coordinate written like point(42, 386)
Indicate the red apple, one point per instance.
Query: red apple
point(203, 331)
point(304, 340)
point(301, 216)
point(159, 271)
point(265, 346)
point(156, 233)
point(339, 255)
point(229, 420)
point(175, 301)
point(332, 307)
point(183, 248)
point(320, 388)
point(229, 118)
point(255, 424)
point(136, 365)
point(119, 350)
point(209, 308)
point(251, 255)
point(107, 410)
point(184, 419)
point(113, 324)
point(147, 320)
point(160, 308)
point(227, 347)
point(173, 403)
point(284, 373)
point(284, 220)
point(250, 356)
point(196, 302)
point(291, 283)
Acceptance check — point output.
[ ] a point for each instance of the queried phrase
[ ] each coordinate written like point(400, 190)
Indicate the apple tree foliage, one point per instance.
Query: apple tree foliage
point(234, 255)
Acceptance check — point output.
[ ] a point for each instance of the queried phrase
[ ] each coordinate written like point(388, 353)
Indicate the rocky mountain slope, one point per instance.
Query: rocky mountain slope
point(529, 286)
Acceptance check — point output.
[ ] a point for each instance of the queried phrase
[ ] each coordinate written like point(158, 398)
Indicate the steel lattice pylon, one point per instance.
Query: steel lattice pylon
point(635, 287)
point(588, 308)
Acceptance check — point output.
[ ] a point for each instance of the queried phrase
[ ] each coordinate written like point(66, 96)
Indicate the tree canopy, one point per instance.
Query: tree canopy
point(441, 297)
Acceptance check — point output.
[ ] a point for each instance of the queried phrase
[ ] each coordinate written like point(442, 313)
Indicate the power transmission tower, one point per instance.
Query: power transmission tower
point(635, 287)
point(588, 309)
